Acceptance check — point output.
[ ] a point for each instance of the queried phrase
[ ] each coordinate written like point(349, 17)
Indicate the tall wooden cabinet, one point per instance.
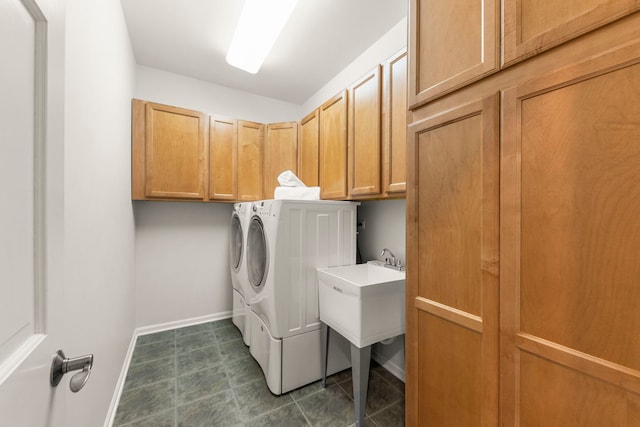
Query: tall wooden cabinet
point(452, 268)
point(394, 124)
point(523, 238)
point(280, 153)
point(531, 26)
point(451, 43)
point(223, 158)
point(308, 149)
point(364, 139)
point(571, 245)
point(250, 160)
point(168, 152)
point(333, 148)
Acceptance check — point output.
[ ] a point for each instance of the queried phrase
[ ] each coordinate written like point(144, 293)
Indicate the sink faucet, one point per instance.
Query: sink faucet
point(391, 261)
point(392, 258)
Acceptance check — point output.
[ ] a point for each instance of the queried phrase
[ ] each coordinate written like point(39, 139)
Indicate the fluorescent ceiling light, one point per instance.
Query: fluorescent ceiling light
point(260, 24)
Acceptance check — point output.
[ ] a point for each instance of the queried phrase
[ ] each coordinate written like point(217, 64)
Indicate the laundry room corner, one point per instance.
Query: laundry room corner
point(381, 224)
point(182, 262)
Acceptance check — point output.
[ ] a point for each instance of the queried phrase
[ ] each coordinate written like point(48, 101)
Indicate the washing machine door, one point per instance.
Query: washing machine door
point(257, 253)
point(236, 243)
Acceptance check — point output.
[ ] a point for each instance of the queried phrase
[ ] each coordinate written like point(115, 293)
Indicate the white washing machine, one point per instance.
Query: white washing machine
point(238, 266)
point(287, 241)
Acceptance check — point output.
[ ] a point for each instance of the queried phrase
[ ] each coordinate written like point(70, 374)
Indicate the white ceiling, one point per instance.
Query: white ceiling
point(191, 37)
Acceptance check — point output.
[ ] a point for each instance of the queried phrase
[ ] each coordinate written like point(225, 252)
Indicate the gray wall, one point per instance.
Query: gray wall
point(99, 242)
point(182, 261)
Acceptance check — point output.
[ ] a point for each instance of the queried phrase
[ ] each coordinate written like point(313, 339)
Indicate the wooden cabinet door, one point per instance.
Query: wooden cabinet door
point(394, 124)
point(333, 148)
point(570, 246)
point(250, 157)
point(308, 149)
point(532, 26)
point(223, 158)
point(364, 118)
point(174, 152)
point(452, 268)
point(452, 43)
point(280, 153)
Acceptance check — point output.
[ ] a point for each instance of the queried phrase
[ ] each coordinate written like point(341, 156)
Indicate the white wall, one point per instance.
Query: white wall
point(384, 227)
point(99, 228)
point(182, 261)
point(173, 89)
point(390, 43)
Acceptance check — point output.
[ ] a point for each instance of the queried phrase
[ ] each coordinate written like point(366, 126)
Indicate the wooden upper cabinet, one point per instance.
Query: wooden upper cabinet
point(365, 113)
point(532, 26)
point(223, 158)
point(280, 154)
point(452, 275)
point(452, 44)
point(570, 209)
point(250, 158)
point(169, 156)
point(308, 144)
point(394, 124)
point(333, 148)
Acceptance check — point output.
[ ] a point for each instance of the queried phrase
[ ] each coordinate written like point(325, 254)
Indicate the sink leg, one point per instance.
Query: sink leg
point(324, 351)
point(360, 359)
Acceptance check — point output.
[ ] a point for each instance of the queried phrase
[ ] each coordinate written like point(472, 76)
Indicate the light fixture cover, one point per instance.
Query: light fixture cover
point(260, 24)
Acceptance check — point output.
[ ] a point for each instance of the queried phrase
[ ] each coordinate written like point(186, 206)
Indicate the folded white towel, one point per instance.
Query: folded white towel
point(289, 179)
point(297, 193)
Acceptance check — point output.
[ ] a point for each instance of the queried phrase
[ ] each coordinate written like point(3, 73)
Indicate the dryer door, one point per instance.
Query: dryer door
point(257, 253)
point(236, 242)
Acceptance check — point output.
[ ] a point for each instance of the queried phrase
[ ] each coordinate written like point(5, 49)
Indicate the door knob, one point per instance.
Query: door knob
point(61, 365)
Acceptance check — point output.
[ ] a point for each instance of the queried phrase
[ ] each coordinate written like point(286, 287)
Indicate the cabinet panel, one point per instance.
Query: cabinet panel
point(450, 373)
point(250, 160)
point(545, 387)
point(532, 26)
point(394, 124)
point(571, 242)
point(452, 279)
point(223, 159)
point(280, 154)
point(174, 152)
point(333, 148)
point(364, 135)
point(452, 44)
point(308, 149)
point(138, 157)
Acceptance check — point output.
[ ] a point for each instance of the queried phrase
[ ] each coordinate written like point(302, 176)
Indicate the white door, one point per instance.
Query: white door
point(31, 246)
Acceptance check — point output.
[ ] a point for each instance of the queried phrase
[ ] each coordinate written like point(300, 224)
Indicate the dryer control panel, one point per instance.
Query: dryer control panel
point(262, 208)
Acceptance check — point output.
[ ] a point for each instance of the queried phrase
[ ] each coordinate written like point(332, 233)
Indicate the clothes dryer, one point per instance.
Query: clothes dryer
point(238, 267)
point(287, 241)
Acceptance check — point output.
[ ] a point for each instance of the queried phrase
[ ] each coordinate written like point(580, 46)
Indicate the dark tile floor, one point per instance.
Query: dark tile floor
point(204, 375)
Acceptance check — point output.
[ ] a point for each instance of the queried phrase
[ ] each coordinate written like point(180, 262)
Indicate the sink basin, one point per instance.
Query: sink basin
point(363, 302)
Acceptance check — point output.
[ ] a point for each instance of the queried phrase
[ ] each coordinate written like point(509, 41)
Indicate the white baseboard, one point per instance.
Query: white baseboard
point(389, 365)
point(152, 329)
point(111, 413)
point(144, 330)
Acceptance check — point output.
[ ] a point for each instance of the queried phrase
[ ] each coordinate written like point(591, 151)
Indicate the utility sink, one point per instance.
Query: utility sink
point(365, 303)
